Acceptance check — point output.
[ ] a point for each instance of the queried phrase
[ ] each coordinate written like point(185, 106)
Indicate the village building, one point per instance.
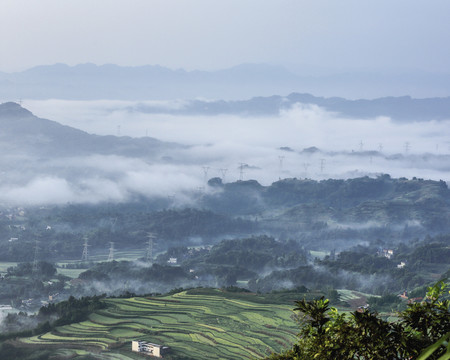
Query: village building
point(147, 348)
point(387, 253)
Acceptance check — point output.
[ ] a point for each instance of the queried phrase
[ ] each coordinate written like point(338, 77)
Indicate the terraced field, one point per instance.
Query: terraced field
point(196, 324)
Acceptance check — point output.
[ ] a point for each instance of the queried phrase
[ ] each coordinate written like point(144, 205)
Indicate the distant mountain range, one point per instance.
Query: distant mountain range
point(398, 108)
point(22, 133)
point(90, 82)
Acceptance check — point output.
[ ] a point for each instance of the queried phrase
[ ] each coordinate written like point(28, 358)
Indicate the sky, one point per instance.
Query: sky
point(313, 36)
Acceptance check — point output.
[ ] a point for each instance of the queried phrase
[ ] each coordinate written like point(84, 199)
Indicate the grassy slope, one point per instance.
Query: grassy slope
point(197, 324)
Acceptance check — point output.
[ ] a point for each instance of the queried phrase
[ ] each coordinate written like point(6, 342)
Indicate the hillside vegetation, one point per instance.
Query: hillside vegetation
point(196, 324)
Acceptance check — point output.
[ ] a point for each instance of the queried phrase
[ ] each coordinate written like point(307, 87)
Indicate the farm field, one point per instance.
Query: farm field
point(195, 324)
point(118, 255)
point(4, 265)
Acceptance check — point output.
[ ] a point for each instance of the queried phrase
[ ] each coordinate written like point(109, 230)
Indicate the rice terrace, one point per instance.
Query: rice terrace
point(195, 324)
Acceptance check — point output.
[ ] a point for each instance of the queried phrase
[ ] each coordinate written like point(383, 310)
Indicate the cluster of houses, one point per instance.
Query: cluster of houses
point(388, 253)
point(404, 296)
point(33, 303)
point(12, 214)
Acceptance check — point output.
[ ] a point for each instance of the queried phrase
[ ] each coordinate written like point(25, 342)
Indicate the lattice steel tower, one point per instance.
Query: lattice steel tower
point(35, 260)
point(111, 252)
point(280, 167)
point(241, 171)
point(223, 172)
point(85, 255)
point(151, 237)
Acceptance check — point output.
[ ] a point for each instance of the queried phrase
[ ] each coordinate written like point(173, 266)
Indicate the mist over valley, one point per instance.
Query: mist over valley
point(224, 180)
point(290, 179)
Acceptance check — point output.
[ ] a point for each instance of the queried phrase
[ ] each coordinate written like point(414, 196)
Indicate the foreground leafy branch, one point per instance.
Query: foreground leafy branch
point(423, 332)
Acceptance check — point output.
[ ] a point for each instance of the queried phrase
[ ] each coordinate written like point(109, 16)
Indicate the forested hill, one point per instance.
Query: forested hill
point(328, 214)
point(24, 133)
point(382, 199)
point(402, 108)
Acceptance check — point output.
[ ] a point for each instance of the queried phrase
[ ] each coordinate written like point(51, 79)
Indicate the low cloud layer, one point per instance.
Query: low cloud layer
point(218, 145)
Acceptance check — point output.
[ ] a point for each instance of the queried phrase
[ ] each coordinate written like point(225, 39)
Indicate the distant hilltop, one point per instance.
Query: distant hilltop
point(24, 133)
point(92, 82)
point(402, 108)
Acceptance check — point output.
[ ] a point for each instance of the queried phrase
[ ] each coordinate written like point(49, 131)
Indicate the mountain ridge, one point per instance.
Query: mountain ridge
point(23, 132)
point(110, 81)
point(404, 108)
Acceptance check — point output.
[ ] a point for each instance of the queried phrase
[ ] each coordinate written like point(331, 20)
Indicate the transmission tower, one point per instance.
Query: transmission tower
point(361, 146)
point(241, 171)
point(406, 146)
point(85, 255)
point(281, 158)
point(223, 172)
point(113, 224)
point(306, 166)
point(380, 147)
point(205, 171)
point(35, 260)
point(111, 252)
point(322, 165)
point(151, 237)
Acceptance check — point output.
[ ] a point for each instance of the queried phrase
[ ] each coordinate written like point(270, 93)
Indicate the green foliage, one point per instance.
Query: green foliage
point(327, 334)
point(124, 270)
point(11, 352)
point(69, 311)
point(385, 302)
point(257, 252)
point(436, 252)
point(131, 222)
point(196, 324)
point(45, 270)
point(360, 262)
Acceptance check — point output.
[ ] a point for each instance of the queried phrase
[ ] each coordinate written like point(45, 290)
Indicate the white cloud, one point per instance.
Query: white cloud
point(224, 142)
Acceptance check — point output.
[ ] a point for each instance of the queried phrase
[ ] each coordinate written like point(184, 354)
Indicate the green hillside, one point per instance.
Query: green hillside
point(195, 324)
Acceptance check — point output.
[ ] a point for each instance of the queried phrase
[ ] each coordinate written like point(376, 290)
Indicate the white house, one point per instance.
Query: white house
point(149, 348)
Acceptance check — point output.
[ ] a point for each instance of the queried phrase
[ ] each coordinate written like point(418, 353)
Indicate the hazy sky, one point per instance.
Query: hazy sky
point(206, 34)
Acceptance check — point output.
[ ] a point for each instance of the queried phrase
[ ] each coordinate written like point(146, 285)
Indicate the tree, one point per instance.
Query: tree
point(422, 332)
